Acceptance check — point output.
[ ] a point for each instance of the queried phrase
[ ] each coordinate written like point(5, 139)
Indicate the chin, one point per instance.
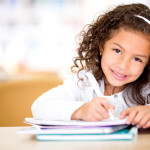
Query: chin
point(117, 83)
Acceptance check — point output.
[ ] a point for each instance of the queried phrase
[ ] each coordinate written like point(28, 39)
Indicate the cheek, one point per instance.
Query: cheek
point(137, 71)
point(107, 61)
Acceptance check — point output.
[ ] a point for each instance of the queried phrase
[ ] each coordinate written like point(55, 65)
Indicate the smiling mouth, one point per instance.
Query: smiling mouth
point(118, 75)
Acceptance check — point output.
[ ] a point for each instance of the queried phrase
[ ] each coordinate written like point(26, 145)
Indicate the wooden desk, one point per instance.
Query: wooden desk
point(9, 140)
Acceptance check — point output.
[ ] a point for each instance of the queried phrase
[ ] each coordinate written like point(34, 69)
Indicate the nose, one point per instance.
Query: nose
point(124, 63)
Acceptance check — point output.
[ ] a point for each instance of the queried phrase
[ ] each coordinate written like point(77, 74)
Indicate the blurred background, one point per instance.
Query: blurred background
point(39, 35)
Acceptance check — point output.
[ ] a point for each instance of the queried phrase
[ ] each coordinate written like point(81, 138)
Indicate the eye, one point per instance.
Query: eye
point(137, 59)
point(117, 51)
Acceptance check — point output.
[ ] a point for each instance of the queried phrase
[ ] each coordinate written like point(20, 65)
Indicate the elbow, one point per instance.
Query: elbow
point(35, 112)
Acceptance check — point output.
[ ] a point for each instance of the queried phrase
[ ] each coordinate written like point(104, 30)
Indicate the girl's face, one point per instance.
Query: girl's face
point(124, 57)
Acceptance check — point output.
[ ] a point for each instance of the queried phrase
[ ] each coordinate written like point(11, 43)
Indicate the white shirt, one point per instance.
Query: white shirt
point(59, 103)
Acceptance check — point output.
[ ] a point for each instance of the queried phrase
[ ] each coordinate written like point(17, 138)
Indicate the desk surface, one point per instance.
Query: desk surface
point(9, 140)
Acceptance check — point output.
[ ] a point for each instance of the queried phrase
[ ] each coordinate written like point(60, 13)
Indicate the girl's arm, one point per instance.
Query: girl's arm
point(60, 103)
point(71, 100)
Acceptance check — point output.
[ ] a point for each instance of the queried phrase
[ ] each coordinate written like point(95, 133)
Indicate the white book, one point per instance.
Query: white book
point(71, 129)
point(105, 122)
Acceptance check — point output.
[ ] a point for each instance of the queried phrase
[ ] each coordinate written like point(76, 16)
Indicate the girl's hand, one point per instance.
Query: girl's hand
point(95, 110)
point(137, 115)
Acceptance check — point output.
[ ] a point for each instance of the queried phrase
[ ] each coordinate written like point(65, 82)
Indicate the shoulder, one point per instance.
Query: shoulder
point(83, 80)
point(80, 78)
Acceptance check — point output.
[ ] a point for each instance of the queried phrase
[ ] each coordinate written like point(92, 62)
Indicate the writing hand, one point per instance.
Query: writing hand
point(95, 110)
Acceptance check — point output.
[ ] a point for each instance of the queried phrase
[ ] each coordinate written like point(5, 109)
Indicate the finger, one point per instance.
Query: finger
point(143, 121)
point(111, 108)
point(124, 113)
point(92, 117)
point(102, 111)
point(147, 125)
point(95, 116)
point(138, 118)
point(98, 116)
point(104, 102)
point(131, 116)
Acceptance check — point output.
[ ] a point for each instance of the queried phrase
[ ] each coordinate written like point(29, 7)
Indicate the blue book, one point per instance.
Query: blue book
point(125, 134)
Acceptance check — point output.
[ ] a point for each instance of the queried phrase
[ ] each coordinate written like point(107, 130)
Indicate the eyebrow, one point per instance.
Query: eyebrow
point(124, 49)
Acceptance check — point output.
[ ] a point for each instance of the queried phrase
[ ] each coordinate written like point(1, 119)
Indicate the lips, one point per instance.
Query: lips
point(118, 76)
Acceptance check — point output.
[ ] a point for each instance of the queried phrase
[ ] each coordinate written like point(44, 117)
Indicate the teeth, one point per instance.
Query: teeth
point(120, 75)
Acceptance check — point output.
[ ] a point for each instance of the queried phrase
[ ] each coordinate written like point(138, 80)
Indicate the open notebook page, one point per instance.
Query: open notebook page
point(105, 122)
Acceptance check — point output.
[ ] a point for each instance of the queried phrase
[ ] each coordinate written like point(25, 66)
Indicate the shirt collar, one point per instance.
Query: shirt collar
point(102, 87)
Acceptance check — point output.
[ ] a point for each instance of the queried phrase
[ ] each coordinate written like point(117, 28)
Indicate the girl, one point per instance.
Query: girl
point(115, 49)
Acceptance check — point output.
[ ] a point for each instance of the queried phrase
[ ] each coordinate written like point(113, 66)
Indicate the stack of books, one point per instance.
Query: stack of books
point(79, 130)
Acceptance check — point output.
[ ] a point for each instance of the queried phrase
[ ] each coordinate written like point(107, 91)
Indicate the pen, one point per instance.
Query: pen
point(111, 116)
point(97, 91)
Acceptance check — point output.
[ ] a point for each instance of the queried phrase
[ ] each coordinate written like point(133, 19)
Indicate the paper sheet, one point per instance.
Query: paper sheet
point(105, 122)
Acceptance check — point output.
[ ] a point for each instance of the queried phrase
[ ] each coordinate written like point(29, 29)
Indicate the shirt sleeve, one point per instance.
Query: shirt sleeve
point(59, 103)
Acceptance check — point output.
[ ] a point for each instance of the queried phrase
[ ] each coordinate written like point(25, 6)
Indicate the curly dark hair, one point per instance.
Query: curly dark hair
point(100, 31)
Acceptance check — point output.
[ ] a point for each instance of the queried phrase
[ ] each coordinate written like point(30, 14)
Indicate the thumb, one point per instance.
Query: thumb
point(124, 113)
point(111, 108)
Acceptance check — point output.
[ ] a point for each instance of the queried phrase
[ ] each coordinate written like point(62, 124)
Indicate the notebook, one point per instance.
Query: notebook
point(124, 134)
point(105, 122)
point(71, 129)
